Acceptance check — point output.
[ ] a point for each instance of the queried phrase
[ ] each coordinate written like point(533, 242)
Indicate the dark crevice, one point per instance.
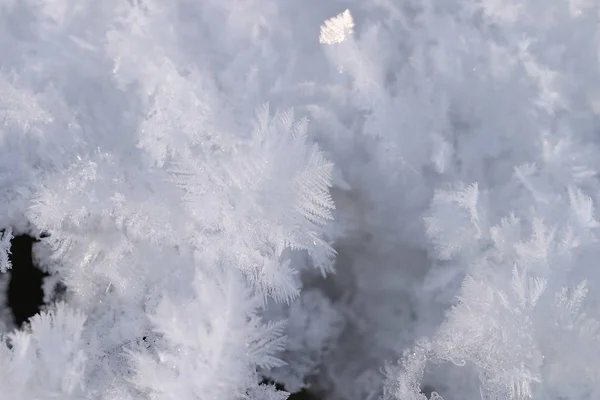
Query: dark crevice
point(304, 394)
point(427, 390)
point(25, 295)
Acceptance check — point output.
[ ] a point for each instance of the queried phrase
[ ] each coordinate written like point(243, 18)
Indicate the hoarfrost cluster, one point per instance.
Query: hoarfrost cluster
point(263, 199)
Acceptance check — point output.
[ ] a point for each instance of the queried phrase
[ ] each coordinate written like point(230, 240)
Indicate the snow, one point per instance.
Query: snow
point(358, 199)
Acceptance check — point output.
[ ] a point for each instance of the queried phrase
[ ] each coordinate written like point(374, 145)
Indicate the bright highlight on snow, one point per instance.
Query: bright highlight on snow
point(337, 29)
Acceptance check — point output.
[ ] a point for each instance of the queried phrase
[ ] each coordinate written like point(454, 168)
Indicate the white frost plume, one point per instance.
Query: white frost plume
point(337, 29)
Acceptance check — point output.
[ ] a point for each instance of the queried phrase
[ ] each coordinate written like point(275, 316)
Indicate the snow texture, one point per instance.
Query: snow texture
point(359, 199)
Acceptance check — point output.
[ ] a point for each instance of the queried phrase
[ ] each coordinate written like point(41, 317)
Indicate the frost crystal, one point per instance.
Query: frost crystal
point(337, 29)
point(5, 249)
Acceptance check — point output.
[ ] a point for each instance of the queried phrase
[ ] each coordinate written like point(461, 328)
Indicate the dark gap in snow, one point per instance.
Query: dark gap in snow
point(304, 394)
point(25, 294)
point(427, 390)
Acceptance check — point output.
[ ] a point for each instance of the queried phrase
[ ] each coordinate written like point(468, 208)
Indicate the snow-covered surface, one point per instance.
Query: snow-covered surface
point(368, 198)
